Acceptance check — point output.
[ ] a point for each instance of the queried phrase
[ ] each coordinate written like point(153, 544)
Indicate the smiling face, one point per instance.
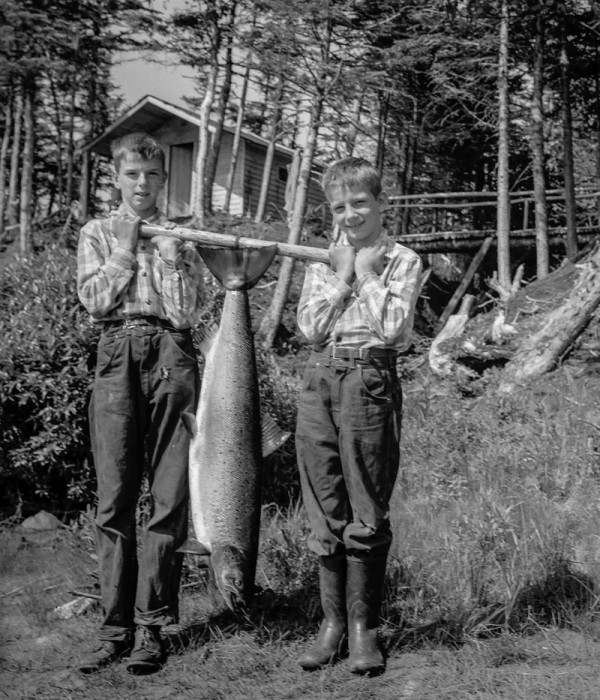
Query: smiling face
point(140, 181)
point(357, 212)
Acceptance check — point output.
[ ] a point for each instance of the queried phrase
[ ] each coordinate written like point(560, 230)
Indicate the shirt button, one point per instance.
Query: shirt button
point(148, 302)
point(142, 247)
point(144, 274)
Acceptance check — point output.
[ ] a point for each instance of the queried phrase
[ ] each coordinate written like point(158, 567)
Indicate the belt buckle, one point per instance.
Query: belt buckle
point(345, 355)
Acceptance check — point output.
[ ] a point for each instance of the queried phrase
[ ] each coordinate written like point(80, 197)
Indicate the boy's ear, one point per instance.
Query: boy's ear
point(115, 176)
point(384, 201)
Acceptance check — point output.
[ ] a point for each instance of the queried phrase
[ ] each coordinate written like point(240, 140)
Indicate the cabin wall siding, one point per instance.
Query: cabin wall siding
point(275, 209)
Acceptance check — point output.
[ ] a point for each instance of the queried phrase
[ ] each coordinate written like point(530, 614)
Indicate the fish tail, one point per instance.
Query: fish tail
point(273, 437)
point(238, 269)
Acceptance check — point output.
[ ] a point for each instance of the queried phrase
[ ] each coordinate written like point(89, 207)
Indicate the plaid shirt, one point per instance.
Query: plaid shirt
point(377, 311)
point(114, 283)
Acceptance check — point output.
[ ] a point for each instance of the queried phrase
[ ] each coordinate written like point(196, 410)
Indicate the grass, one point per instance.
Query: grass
point(491, 589)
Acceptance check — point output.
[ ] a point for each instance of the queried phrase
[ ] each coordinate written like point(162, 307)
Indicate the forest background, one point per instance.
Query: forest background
point(497, 512)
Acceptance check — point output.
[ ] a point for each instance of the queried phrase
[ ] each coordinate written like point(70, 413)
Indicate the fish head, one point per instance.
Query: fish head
point(229, 567)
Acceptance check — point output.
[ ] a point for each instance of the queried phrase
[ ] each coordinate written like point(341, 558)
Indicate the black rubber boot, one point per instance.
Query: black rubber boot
point(364, 593)
point(332, 585)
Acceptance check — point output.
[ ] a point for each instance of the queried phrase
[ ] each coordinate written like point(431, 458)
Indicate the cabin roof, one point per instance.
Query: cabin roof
point(149, 113)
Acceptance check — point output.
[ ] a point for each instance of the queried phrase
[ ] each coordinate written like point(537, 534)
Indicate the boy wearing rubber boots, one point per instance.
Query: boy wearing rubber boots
point(144, 294)
point(357, 314)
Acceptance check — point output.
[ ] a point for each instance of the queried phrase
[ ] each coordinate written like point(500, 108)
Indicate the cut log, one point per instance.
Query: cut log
point(542, 350)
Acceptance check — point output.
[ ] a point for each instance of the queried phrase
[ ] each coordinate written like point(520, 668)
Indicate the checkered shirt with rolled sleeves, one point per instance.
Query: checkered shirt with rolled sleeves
point(114, 283)
point(377, 311)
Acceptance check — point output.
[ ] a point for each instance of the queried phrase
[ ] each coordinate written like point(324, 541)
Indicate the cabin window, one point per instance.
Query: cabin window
point(283, 174)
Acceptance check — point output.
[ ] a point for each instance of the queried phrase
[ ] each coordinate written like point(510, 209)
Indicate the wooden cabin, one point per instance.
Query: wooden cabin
point(177, 129)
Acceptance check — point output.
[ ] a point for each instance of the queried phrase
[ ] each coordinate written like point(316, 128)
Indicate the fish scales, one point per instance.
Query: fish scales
point(228, 478)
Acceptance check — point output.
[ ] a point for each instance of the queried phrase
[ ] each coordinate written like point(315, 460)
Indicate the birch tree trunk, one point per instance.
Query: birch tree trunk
point(381, 131)
point(571, 240)
point(272, 318)
point(353, 124)
point(70, 146)
point(198, 210)
point(59, 182)
point(503, 204)
point(26, 204)
point(237, 137)
point(269, 155)
point(409, 166)
point(13, 185)
point(219, 115)
point(3, 155)
point(597, 96)
point(537, 153)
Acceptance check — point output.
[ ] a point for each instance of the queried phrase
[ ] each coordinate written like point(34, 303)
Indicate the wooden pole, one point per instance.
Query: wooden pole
point(465, 282)
point(228, 240)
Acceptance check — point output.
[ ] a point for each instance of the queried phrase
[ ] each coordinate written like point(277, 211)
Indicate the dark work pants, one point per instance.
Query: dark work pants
point(348, 450)
point(146, 377)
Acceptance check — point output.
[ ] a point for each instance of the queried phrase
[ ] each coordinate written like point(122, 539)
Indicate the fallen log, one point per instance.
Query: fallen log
point(228, 240)
point(542, 350)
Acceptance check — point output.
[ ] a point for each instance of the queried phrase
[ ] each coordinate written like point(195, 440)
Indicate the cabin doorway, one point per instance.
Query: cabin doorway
point(181, 160)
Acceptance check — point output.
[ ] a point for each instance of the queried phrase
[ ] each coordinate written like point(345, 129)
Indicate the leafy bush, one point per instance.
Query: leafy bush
point(46, 346)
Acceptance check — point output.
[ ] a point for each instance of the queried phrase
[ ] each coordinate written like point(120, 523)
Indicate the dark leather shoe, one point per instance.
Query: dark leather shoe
point(107, 653)
point(147, 655)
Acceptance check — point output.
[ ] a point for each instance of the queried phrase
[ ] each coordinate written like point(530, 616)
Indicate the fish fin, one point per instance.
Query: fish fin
point(192, 546)
point(189, 421)
point(238, 269)
point(273, 437)
point(205, 338)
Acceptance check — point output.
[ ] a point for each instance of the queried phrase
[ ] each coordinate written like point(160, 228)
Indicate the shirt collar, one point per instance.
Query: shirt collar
point(152, 219)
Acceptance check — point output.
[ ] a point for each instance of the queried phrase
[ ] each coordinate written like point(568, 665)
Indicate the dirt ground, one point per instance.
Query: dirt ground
point(213, 656)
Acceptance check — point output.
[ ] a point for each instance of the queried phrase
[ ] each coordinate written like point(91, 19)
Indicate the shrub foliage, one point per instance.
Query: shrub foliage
point(47, 351)
point(46, 346)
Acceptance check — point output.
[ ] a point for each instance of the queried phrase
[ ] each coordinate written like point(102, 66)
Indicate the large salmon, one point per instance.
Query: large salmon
point(226, 448)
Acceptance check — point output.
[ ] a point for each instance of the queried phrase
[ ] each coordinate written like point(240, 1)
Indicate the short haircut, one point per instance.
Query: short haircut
point(350, 172)
point(140, 143)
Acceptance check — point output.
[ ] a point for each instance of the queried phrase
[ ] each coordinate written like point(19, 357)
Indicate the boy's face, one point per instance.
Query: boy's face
point(140, 181)
point(357, 212)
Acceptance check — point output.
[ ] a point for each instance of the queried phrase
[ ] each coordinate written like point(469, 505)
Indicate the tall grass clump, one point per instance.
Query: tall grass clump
point(46, 346)
point(497, 509)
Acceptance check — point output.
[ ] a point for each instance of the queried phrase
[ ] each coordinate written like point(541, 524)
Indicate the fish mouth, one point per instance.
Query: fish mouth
point(228, 564)
point(232, 590)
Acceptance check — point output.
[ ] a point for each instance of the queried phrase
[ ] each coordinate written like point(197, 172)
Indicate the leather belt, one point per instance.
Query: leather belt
point(137, 321)
point(345, 357)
